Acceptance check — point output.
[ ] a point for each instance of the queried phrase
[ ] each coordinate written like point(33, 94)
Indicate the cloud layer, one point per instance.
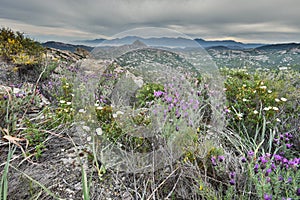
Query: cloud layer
point(248, 21)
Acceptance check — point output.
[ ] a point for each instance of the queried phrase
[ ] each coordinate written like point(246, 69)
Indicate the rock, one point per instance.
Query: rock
point(82, 52)
point(137, 80)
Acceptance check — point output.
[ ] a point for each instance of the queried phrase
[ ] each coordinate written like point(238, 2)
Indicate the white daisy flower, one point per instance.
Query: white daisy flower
point(275, 108)
point(99, 131)
point(283, 99)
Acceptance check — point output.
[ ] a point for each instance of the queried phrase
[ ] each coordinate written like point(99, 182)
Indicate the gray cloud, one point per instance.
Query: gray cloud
point(256, 20)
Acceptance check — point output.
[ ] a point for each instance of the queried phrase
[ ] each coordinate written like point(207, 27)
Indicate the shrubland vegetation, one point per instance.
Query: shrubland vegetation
point(255, 156)
point(18, 49)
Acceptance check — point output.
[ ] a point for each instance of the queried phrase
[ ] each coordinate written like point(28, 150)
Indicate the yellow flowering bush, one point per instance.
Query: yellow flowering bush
point(19, 50)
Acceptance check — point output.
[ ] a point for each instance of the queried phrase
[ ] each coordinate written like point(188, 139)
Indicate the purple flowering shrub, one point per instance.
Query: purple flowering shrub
point(275, 176)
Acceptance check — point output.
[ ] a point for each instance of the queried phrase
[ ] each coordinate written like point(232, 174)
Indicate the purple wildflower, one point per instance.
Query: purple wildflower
point(285, 161)
point(289, 180)
point(169, 99)
point(273, 166)
point(256, 168)
point(268, 179)
point(232, 181)
point(298, 192)
point(221, 158)
point(292, 163)
point(289, 146)
point(267, 197)
point(268, 171)
point(213, 160)
point(281, 137)
point(280, 178)
point(288, 135)
point(276, 140)
point(250, 153)
point(232, 175)
point(244, 160)
point(158, 93)
point(263, 160)
point(277, 157)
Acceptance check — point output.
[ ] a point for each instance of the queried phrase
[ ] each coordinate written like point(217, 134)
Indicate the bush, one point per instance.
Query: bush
point(19, 50)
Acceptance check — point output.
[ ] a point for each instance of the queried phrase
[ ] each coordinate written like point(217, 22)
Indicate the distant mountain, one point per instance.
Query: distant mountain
point(227, 43)
point(172, 42)
point(94, 42)
point(106, 52)
point(277, 47)
point(132, 42)
point(64, 46)
point(163, 41)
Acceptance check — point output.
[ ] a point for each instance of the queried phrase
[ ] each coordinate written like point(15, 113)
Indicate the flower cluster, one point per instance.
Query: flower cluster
point(272, 170)
point(178, 104)
point(284, 139)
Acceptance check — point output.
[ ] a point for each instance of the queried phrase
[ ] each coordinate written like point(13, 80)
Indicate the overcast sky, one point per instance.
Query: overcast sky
point(268, 21)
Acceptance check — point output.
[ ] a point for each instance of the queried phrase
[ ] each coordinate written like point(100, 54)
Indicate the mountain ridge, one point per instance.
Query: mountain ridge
point(177, 42)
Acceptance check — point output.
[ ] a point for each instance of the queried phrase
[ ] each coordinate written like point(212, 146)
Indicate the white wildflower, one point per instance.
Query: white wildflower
point(62, 101)
point(255, 112)
point(263, 87)
point(278, 120)
point(277, 100)
point(119, 112)
point(86, 128)
point(283, 99)
point(89, 138)
point(69, 103)
point(99, 108)
point(269, 91)
point(81, 111)
point(99, 131)
point(239, 115)
point(275, 108)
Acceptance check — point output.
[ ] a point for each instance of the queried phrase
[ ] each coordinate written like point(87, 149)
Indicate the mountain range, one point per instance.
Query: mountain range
point(169, 42)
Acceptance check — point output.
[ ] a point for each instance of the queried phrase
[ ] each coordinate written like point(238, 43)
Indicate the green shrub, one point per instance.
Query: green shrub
point(146, 93)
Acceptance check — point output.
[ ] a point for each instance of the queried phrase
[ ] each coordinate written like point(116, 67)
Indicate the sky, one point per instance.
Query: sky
point(263, 21)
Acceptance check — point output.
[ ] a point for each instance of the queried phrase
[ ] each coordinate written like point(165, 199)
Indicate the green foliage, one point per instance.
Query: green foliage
point(4, 177)
point(258, 96)
point(146, 93)
point(18, 49)
point(35, 137)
